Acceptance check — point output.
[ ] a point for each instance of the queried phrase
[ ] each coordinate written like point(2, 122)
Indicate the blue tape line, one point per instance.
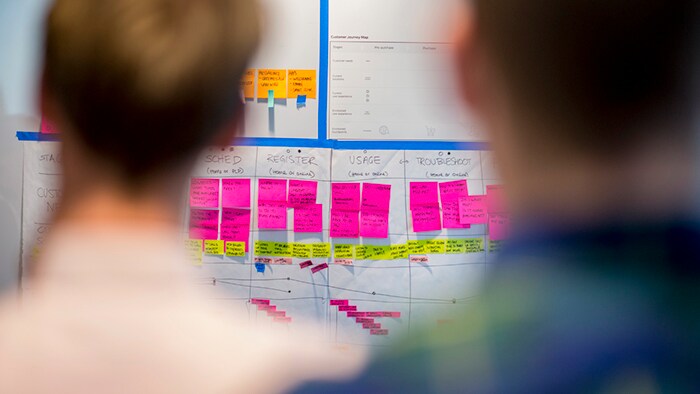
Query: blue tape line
point(260, 267)
point(323, 75)
point(36, 136)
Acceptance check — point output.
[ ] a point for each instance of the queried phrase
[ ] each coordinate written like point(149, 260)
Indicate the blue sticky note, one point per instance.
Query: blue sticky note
point(270, 99)
point(301, 99)
point(260, 267)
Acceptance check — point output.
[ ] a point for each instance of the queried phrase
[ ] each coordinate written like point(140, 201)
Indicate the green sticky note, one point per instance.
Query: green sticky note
point(194, 250)
point(475, 245)
point(343, 251)
point(380, 253)
point(456, 246)
point(435, 246)
point(270, 99)
point(281, 249)
point(263, 248)
point(416, 247)
point(399, 252)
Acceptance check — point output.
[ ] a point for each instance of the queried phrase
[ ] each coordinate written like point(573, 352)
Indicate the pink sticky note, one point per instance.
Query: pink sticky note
point(499, 227)
point(495, 199)
point(272, 190)
point(472, 210)
point(426, 219)
point(306, 264)
point(450, 216)
point(302, 193)
point(204, 193)
point(374, 224)
point(376, 196)
point(308, 219)
point(259, 301)
point(423, 193)
point(345, 224)
point(272, 215)
point(236, 193)
point(319, 268)
point(340, 302)
point(345, 196)
point(453, 191)
point(204, 224)
point(235, 225)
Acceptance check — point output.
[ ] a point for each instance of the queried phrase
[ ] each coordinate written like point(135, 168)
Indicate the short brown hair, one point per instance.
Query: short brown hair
point(146, 84)
point(602, 70)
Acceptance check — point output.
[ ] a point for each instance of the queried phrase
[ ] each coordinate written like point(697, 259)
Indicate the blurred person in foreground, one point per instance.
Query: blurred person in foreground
point(589, 107)
point(139, 88)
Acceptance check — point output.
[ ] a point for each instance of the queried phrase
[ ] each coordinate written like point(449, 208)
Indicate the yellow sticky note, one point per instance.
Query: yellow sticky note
point(302, 82)
point(263, 248)
point(235, 249)
point(321, 251)
point(474, 245)
point(344, 251)
point(360, 252)
point(435, 246)
point(193, 247)
point(248, 84)
point(416, 247)
point(301, 251)
point(399, 252)
point(214, 247)
point(275, 80)
point(456, 246)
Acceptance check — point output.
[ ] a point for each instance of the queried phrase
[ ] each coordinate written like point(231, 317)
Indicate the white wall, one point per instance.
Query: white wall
point(20, 40)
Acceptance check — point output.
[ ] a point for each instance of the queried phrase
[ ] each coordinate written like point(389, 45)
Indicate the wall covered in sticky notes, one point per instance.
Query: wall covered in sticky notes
point(401, 231)
point(358, 178)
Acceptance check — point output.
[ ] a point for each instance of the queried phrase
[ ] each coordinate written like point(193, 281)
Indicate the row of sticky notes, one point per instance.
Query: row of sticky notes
point(205, 193)
point(196, 248)
point(235, 225)
point(360, 210)
point(369, 252)
point(282, 83)
point(459, 209)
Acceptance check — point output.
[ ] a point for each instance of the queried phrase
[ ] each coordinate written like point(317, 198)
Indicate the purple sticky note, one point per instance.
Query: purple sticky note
point(374, 224)
point(426, 218)
point(236, 193)
point(302, 193)
point(423, 193)
point(308, 219)
point(204, 193)
point(499, 227)
point(272, 190)
point(450, 216)
point(204, 224)
point(235, 225)
point(495, 199)
point(345, 196)
point(272, 215)
point(376, 196)
point(345, 224)
point(453, 191)
point(472, 210)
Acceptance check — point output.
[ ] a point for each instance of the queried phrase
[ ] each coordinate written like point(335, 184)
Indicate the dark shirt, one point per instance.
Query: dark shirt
point(609, 309)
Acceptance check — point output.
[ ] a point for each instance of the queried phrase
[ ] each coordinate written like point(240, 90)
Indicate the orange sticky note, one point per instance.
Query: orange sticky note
point(248, 84)
point(302, 82)
point(275, 80)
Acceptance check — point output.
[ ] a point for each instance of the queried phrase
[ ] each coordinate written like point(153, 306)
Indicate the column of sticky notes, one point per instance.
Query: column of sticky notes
point(276, 84)
point(234, 221)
